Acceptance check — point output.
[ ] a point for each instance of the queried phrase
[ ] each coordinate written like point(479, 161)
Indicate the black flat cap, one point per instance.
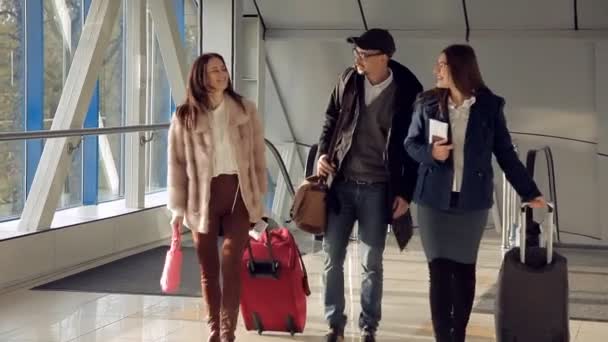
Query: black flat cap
point(375, 39)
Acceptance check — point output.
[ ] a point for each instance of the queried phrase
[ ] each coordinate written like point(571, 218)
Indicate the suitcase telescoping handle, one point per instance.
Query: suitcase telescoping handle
point(549, 236)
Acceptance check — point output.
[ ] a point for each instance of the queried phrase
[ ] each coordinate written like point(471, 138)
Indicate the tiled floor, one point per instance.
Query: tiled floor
point(47, 316)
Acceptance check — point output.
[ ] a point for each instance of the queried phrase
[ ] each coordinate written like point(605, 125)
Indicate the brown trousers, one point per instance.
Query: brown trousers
point(226, 210)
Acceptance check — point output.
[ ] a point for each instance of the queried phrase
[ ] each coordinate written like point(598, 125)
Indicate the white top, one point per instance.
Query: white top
point(373, 91)
point(224, 161)
point(459, 119)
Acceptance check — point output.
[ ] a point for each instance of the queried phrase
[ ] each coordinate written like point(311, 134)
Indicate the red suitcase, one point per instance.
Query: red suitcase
point(274, 284)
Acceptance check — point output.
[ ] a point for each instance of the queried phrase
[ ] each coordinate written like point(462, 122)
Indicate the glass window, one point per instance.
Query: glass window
point(159, 96)
point(62, 26)
point(159, 111)
point(112, 114)
point(12, 82)
point(192, 32)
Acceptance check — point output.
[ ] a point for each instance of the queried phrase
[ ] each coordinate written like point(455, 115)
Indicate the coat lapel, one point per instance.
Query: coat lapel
point(475, 127)
point(203, 123)
point(236, 116)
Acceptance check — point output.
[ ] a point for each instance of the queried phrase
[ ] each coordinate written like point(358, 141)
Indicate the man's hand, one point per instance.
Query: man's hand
point(400, 207)
point(325, 168)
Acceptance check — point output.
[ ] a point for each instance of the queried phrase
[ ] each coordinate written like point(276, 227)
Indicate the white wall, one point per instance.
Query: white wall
point(549, 81)
point(601, 89)
point(59, 250)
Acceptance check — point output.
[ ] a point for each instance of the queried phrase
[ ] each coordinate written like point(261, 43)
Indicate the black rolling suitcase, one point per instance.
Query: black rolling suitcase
point(532, 294)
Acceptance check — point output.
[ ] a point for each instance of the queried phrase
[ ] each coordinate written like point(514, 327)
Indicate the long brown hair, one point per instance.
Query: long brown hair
point(464, 70)
point(197, 100)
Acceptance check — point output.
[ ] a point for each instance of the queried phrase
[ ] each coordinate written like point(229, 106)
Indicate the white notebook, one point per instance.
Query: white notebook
point(438, 130)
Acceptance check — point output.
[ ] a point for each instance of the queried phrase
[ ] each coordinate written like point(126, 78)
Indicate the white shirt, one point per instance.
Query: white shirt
point(459, 119)
point(373, 91)
point(224, 161)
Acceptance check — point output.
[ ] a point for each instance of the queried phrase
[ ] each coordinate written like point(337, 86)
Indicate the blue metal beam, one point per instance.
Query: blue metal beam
point(34, 84)
point(181, 26)
point(181, 18)
point(90, 160)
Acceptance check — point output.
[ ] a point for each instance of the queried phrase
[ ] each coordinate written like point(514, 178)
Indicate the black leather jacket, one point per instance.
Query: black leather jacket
point(345, 98)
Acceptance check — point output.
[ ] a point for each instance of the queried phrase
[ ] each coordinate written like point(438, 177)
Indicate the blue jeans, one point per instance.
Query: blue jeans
point(367, 204)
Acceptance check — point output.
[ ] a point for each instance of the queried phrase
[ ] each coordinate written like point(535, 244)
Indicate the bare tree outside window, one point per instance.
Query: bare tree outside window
point(11, 107)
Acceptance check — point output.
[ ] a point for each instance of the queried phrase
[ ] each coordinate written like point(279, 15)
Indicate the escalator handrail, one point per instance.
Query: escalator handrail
point(282, 167)
point(552, 187)
point(510, 213)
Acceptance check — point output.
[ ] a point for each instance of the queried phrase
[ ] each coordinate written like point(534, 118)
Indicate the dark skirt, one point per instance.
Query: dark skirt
point(451, 234)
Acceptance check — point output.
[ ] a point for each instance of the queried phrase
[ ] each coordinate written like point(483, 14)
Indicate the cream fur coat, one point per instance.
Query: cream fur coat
point(191, 157)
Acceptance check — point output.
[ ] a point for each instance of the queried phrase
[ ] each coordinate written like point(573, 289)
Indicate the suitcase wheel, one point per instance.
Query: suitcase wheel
point(291, 325)
point(257, 322)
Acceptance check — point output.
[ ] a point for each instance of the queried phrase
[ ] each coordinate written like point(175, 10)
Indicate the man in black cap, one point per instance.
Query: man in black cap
point(373, 176)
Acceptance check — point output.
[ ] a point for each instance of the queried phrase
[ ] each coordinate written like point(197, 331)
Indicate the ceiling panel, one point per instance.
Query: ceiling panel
point(431, 15)
point(248, 7)
point(311, 14)
point(593, 14)
point(521, 14)
point(414, 14)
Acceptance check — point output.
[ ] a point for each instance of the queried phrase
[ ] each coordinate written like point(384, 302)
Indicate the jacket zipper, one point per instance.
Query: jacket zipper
point(236, 162)
point(236, 195)
point(386, 147)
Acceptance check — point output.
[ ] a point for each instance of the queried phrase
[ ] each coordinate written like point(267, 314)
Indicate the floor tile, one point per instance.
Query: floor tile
point(48, 316)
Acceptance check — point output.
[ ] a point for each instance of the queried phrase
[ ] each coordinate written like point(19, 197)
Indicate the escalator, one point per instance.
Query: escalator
point(281, 185)
point(281, 191)
point(511, 203)
point(281, 165)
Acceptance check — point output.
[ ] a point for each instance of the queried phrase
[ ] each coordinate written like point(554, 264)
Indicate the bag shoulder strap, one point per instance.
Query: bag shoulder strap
point(305, 283)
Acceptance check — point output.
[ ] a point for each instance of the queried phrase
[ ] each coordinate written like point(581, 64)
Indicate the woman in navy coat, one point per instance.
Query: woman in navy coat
point(454, 190)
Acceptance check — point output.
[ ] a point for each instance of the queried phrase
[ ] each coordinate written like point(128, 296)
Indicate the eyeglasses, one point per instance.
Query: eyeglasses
point(365, 55)
point(440, 65)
